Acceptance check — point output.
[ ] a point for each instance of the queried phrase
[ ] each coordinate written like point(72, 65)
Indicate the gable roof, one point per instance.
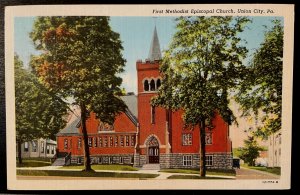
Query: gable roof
point(74, 121)
point(71, 128)
point(131, 102)
point(132, 109)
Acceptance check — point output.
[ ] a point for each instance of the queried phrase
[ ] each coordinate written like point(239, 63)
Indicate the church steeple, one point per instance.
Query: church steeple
point(154, 52)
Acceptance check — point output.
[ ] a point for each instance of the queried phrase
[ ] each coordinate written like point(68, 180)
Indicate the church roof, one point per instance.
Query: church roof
point(71, 128)
point(131, 102)
point(154, 52)
point(131, 112)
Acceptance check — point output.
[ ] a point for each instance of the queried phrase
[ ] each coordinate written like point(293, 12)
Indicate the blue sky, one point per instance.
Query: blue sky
point(136, 35)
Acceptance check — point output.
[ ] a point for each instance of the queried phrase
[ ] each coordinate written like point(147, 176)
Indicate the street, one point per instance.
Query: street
point(245, 173)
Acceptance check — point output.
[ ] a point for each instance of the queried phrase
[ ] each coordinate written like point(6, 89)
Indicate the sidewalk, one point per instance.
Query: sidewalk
point(162, 175)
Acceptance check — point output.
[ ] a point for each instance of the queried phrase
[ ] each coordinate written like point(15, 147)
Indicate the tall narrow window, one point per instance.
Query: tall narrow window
point(42, 147)
point(66, 144)
point(127, 140)
point(111, 142)
point(152, 114)
point(116, 141)
point(52, 150)
point(26, 147)
point(48, 149)
point(90, 142)
point(132, 141)
point(146, 85)
point(100, 141)
point(152, 85)
point(34, 146)
point(158, 83)
point(121, 141)
point(79, 143)
point(105, 142)
point(95, 142)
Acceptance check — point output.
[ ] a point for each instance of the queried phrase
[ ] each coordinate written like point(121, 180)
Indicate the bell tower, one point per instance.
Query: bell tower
point(152, 120)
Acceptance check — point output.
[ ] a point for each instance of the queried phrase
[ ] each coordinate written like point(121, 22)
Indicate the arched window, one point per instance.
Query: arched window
point(146, 85)
point(152, 85)
point(158, 83)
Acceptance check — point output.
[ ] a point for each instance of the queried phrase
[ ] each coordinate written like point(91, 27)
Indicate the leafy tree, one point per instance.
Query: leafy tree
point(39, 114)
point(262, 88)
point(250, 151)
point(203, 63)
point(81, 57)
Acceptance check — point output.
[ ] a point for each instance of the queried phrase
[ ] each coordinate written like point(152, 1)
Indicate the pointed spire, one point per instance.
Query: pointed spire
point(154, 53)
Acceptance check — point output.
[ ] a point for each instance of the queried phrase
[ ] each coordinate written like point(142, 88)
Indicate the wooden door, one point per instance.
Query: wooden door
point(153, 153)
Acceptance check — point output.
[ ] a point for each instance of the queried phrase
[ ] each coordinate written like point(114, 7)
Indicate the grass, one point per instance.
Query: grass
point(226, 172)
point(33, 163)
point(38, 159)
point(83, 174)
point(274, 170)
point(105, 167)
point(192, 177)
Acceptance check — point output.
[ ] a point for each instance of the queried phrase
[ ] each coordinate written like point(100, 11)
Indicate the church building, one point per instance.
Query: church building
point(145, 135)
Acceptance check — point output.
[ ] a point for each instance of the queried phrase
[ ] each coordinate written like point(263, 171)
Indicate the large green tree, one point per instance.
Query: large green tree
point(203, 63)
point(81, 58)
point(250, 151)
point(261, 91)
point(39, 113)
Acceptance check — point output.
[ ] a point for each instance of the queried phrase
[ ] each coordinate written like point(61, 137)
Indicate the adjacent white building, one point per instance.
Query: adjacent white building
point(274, 150)
point(42, 148)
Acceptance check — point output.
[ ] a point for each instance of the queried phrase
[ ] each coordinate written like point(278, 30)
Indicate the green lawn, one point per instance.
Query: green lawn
point(192, 177)
point(226, 172)
point(274, 170)
point(83, 174)
point(33, 163)
point(105, 167)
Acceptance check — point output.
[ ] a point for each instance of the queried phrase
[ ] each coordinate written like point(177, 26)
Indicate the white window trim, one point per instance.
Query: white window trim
point(206, 160)
point(187, 160)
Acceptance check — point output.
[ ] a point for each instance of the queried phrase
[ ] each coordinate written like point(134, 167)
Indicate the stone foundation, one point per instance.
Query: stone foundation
point(166, 161)
point(175, 161)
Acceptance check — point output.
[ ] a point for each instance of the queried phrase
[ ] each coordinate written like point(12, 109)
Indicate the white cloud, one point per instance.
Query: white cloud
point(130, 81)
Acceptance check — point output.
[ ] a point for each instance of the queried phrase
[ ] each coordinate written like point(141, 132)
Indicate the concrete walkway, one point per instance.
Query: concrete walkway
point(162, 175)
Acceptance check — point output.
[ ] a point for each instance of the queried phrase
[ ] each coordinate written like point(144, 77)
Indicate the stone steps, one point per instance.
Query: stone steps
point(151, 167)
point(59, 162)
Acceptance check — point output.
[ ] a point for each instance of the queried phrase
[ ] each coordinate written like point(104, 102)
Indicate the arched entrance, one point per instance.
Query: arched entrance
point(153, 150)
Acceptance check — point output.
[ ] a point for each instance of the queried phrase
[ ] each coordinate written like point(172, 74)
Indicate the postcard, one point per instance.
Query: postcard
point(103, 97)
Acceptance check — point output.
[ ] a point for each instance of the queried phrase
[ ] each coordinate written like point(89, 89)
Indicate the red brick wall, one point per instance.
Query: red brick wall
point(220, 137)
point(149, 70)
point(123, 126)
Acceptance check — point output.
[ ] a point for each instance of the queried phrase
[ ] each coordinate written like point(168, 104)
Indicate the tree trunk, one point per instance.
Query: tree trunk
point(202, 149)
point(87, 159)
point(19, 144)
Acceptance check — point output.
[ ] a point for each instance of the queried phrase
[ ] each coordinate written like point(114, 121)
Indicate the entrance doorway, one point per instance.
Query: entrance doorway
point(153, 150)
